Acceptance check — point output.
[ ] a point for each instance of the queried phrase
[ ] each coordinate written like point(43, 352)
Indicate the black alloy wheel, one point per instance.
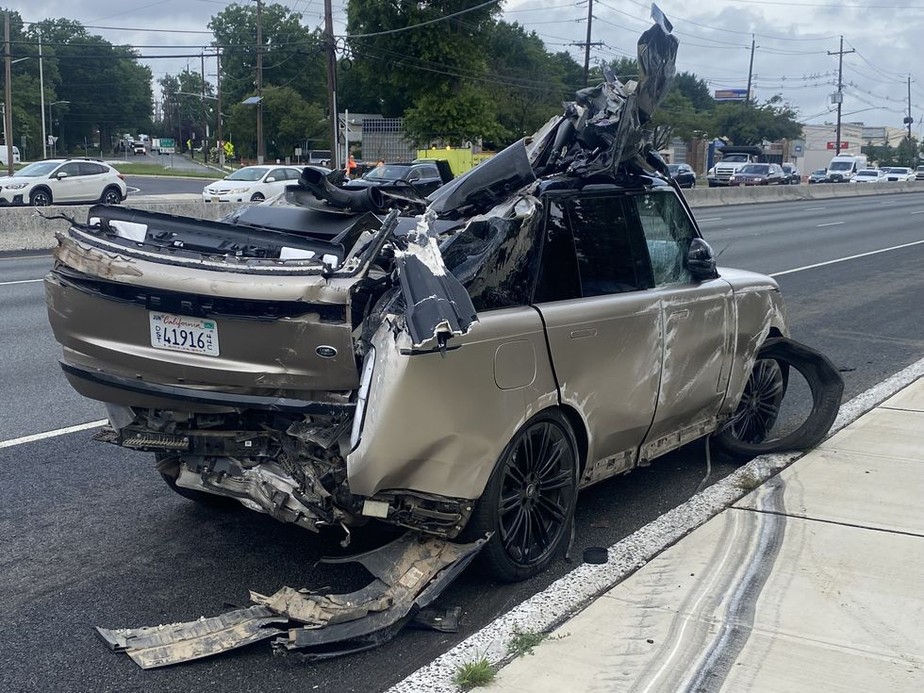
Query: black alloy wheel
point(760, 403)
point(112, 196)
point(40, 198)
point(528, 504)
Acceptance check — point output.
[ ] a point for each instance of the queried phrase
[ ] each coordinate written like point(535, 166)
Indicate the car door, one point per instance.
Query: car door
point(277, 184)
point(603, 324)
point(67, 183)
point(428, 178)
point(93, 180)
point(696, 323)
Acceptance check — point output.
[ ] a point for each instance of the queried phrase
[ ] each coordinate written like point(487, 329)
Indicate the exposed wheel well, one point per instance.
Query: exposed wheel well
point(580, 433)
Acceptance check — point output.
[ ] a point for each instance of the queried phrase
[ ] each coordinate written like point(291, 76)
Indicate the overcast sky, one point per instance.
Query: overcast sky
point(793, 40)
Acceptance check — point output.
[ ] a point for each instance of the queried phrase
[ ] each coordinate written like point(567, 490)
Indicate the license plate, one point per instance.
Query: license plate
point(181, 333)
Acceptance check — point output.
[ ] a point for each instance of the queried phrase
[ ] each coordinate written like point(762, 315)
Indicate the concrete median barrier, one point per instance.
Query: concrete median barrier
point(22, 229)
point(713, 197)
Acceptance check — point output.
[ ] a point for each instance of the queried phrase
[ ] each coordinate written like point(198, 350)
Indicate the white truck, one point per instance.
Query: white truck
point(844, 167)
point(732, 159)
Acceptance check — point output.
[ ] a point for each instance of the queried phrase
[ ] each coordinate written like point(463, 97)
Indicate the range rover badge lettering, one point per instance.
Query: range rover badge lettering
point(326, 352)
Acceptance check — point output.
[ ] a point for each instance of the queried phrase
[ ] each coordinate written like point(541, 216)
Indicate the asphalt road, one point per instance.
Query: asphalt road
point(92, 536)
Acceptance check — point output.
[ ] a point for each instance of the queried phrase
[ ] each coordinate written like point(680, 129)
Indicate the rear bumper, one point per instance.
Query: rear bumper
point(86, 380)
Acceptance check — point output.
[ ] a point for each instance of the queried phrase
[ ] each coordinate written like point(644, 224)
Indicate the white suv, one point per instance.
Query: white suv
point(53, 181)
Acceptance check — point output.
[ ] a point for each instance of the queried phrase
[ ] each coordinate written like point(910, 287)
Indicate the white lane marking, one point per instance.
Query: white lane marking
point(21, 281)
point(52, 434)
point(830, 223)
point(573, 591)
point(889, 202)
point(813, 209)
point(711, 219)
point(845, 259)
point(920, 211)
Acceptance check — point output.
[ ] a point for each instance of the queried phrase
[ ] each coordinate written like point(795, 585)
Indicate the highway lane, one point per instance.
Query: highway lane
point(94, 538)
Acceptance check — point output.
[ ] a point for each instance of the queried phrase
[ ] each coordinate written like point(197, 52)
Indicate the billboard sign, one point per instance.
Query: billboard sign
point(833, 145)
point(731, 94)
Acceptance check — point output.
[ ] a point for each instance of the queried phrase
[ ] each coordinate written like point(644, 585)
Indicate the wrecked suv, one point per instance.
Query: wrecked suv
point(460, 364)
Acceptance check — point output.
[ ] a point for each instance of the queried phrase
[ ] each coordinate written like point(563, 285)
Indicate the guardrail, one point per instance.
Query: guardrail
point(21, 228)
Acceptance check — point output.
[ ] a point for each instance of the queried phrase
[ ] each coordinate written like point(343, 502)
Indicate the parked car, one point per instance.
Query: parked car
point(793, 175)
point(900, 174)
point(683, 174)
point(55, 181)
point(459, 364)
point(868, 175)
point(759, 174)
point(919, 173)
point(251, 184)
point(423, 177)
point(819, 175)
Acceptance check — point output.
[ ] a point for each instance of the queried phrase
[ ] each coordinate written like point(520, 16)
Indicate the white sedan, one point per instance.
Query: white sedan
point(252, 184)
point(869, 175)
point(901, 174)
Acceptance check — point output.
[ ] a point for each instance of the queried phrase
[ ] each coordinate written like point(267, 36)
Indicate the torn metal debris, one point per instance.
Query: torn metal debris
point(410, 573)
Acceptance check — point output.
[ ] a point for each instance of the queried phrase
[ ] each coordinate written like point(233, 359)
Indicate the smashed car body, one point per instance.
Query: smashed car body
point(460, 364)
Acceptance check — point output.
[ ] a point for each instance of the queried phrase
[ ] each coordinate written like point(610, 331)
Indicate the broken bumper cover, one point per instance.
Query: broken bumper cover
point(410, 573)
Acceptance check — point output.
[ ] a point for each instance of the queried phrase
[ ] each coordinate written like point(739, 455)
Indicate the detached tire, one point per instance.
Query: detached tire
point(528, 503)
point(749, 431)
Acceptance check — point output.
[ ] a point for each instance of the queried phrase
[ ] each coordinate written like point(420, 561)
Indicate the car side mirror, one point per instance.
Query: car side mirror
point(701, 261)
point(271, 180)
point(61, 174)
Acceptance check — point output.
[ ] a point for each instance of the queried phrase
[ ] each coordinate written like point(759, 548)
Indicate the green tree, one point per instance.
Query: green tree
point(403, 58)
point(907, 152)
point(527, 84)
point(288, 122)
point(751, 124)
point(292, 54)
point(79, 67)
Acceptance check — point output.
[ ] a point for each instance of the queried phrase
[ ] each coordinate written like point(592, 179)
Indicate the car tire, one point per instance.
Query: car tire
point(528, 504)
point(257, 197)
point(169, 470)
point(111, 196)
point(40, 198)
point(692, 184)
point(745, 435)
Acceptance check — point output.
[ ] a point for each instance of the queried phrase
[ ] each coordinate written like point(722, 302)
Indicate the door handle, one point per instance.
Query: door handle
point(581, 334)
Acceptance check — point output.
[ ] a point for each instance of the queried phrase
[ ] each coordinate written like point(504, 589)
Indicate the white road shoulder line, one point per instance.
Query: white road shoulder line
point(572, 592)
point(52, 434)
point(845, 259)
point(830, 223)
point(21, 281)
point(920, 211)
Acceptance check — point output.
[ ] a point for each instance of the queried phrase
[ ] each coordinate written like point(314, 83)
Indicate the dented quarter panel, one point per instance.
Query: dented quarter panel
point(759, 308)
point(438, 424)
point(606, 353)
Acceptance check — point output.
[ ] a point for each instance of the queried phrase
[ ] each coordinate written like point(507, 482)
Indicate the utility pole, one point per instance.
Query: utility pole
point(750, 70)
point(840, 92)
point(205, 116)
point(330, 50)
point(588, 43)
point(218, 136)
point(42, 97)
point(8, 96)
point(261, 145)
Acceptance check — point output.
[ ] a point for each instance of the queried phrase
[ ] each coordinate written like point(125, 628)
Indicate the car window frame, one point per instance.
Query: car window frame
point(691, 222)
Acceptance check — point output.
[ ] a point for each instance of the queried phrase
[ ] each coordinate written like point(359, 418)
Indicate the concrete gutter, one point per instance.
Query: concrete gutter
point(21, 228)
